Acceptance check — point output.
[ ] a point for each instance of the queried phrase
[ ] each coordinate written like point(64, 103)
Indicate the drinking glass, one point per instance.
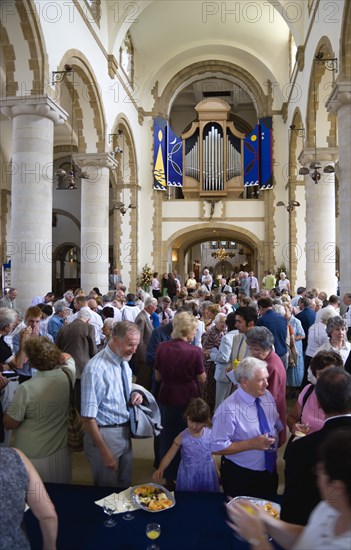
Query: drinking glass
point(109, 509)
point(153, 531)
point(128, 504)
point(273, 446)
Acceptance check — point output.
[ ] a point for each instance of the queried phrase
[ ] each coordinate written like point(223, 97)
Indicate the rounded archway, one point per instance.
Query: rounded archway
point(185, 249)
point(66, 268)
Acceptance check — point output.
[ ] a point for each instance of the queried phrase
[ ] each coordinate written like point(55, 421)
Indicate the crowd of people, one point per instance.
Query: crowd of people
point(221, 361)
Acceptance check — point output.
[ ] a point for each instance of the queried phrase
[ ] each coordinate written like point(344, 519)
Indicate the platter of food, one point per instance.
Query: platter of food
point(152, 497)
point(273, 508)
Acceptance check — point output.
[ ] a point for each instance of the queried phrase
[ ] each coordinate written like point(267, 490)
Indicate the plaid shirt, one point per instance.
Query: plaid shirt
point(102, 388)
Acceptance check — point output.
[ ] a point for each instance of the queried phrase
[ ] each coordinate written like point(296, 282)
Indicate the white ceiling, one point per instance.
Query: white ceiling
point(171, 32)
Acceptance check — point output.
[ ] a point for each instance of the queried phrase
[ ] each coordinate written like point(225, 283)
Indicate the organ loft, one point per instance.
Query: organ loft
point(213, 153)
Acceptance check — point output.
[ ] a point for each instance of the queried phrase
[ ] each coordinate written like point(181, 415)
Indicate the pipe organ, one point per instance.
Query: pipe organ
point(212, 151)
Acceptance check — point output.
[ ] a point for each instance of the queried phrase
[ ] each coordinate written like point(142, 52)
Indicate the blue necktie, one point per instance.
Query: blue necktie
point(125, 383)
point(270, 458)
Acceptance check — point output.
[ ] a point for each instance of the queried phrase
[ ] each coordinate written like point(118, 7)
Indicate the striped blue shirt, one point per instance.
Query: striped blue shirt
point(102, 388)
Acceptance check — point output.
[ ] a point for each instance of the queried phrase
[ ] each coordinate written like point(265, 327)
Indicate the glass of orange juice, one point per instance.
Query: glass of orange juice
point(153, 531)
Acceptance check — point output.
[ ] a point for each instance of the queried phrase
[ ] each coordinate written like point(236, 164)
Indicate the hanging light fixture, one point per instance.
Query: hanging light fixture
point(66, 179)
point(330, 64)
point(290, 206)
point(222, 254)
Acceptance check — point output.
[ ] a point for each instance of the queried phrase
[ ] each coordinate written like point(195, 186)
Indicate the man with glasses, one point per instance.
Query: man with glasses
point(32, 329)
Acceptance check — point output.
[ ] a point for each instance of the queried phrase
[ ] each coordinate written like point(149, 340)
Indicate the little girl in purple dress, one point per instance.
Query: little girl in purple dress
point(197, 470)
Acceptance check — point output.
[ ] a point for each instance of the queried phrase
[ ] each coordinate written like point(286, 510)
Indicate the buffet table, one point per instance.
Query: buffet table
point(197, 521)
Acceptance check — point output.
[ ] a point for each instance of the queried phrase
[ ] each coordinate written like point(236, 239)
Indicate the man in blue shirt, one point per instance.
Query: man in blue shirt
point(57, 321)
point(107, 394)
point(278, 326)
point(237, 434)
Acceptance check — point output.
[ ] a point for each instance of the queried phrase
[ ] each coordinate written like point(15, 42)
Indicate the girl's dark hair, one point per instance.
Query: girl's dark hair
point(335, 454)
point(325, 359)
point(198, 411)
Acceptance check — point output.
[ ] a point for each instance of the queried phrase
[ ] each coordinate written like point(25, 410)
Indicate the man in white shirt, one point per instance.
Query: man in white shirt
point(254, 286)
point(207, 277)
point(333, 306)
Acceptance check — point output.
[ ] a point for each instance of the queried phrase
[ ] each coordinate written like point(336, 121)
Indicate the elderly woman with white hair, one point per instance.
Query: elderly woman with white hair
point(336, 331)
point(283, 282)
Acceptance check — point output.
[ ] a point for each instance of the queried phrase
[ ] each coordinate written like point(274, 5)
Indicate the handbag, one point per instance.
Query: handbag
point(75, 430)
point(293, 352)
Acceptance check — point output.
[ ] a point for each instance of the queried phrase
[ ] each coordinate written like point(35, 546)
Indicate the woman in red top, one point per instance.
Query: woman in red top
point(180, 370)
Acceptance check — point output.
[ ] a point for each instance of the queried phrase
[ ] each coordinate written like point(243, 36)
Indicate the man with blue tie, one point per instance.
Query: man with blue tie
point(107, 394)
point(245, 431)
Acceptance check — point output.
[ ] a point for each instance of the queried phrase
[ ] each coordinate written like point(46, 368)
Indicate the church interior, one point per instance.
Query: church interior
point(174, 134)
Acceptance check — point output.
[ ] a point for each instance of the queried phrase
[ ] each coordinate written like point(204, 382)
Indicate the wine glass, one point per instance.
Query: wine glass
point(127, 504)
point(153, 531)
point(109, 509)
point(273, 446)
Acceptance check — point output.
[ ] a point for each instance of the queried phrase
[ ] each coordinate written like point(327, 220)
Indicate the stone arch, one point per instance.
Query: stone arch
point(90, 94)
point(29, 25)
point(8, 55)
point(199, 69)
point(185, 238)
point(127, 174)
point(38, 59)
point(345, 44)
point(60, 212)
point(58, 255)
point(314, 102)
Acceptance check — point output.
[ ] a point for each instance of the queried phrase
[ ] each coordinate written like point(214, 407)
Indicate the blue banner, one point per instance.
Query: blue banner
point(174, 159)
point(266, 156)
point(251, 158)
point(160, 154)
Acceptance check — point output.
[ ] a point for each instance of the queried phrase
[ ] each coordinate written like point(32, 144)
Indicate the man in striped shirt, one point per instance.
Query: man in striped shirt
point(107, 394)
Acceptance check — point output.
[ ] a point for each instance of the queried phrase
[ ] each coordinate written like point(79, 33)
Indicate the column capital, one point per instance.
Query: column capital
point(42, 106)
point(101, 160)
point(341, 95)
point(322, 154)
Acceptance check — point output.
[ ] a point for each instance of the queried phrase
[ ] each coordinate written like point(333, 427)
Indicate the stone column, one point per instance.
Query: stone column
point(339, 102)
point(320, 222)
point(30, 246)
point(95, 219)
